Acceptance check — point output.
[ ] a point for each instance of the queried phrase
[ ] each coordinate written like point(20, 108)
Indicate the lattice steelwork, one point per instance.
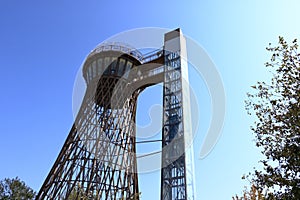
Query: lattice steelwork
point(173, 174)
point(98, 158)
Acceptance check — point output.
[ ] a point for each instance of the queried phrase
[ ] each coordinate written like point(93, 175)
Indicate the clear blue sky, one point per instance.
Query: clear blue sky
point(43, 43)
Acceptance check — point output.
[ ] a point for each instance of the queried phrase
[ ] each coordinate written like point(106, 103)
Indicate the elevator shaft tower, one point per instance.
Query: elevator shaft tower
point(98, 159)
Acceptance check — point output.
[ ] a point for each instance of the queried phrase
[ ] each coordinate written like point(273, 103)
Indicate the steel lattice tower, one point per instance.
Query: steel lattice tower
point(98, 159)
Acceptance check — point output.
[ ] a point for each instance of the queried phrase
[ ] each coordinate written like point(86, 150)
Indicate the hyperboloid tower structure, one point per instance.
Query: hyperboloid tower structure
point(98, 159)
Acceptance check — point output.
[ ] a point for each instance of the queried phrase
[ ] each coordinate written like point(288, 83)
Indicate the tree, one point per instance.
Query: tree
point(15, 189)
point(134, 196)
point(277, 128)
point(253, 194)
point(79, 193)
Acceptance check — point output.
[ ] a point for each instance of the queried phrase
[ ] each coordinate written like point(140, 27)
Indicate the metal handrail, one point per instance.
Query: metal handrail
point(152, 55)
point(117, 46)
point(126, 48)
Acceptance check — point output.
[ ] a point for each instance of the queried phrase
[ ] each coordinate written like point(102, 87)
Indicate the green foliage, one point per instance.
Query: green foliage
point(277, 128)
point(79, 193)
point(134, 197)
point(253, 194)
point(15, 189)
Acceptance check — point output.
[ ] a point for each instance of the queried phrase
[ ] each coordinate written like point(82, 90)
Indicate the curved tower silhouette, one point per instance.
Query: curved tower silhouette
point(98, 159)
